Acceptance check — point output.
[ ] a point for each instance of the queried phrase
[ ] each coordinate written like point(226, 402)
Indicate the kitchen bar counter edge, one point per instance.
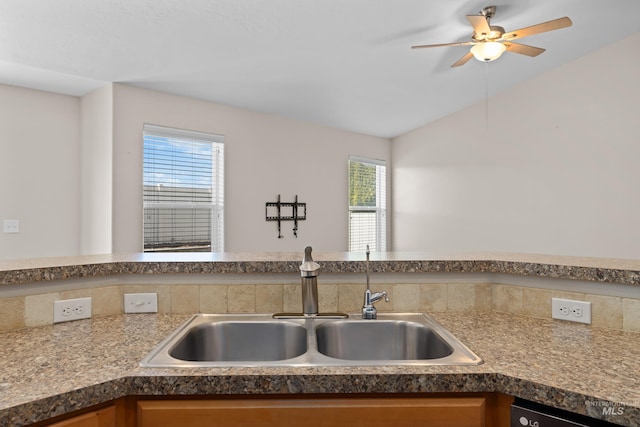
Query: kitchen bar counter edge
point(602, 270)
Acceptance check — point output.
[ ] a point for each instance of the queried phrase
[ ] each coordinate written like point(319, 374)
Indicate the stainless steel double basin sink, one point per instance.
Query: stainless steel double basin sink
point(214, 340)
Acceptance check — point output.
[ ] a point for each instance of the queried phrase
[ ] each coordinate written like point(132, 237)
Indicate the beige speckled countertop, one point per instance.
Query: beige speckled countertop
point(52, 370)
point(15, 272)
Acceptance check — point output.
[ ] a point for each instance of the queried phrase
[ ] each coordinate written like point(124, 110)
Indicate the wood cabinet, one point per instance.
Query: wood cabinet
point(433, 410)
point(473, 411)
point(105, 417)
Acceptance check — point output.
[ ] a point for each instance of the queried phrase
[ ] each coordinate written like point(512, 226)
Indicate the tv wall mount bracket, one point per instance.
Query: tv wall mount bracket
point(286, 211)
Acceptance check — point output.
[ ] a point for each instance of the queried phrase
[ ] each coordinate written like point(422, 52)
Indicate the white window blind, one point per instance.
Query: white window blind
point(183, 191)
point(367, 204)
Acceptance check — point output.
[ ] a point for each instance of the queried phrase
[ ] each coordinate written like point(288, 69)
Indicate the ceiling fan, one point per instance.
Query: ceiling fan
point(490, 41)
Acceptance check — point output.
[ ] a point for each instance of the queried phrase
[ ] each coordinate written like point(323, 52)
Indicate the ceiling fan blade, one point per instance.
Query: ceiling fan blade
point(463, 60)
point(480, 25)
point(556, 24)
point(442, 45)
point(523, 49)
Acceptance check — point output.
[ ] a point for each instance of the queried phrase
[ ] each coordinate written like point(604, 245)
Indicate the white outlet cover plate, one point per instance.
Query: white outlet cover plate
point(141, 303)
point(570, 310)
point(71, 309)
point(11, 226)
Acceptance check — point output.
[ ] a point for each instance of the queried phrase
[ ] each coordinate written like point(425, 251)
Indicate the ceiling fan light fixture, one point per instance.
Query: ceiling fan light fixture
point(488, 51)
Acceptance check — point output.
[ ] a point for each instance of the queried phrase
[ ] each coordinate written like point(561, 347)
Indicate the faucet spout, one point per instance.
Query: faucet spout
point(309, 268)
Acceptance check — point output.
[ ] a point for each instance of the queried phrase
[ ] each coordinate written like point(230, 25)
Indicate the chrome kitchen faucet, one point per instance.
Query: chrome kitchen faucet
point(309, 276)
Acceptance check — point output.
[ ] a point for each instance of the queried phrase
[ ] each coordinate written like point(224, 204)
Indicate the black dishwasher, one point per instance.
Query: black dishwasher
point(530, 414)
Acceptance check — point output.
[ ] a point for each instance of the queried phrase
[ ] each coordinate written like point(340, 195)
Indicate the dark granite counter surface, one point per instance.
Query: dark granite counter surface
point(52, 370)
point(15, 272)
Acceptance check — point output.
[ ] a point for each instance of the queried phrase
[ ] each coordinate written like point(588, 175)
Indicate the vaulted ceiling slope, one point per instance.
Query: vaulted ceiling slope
point(344, 64)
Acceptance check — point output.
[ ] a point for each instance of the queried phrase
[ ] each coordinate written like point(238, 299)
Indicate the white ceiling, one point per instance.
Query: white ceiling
point(340, 63)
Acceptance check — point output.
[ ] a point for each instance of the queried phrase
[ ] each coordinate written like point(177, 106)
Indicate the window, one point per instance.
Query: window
point(367, 204)
point(183, 191)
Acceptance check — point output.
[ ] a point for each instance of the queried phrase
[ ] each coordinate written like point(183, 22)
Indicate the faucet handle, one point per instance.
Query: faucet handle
point(379, 295)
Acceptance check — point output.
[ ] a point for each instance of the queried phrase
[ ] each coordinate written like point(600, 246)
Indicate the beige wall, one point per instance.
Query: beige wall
point(80, 192)
point(556, 171)
point(39, 172)
point(265, 156)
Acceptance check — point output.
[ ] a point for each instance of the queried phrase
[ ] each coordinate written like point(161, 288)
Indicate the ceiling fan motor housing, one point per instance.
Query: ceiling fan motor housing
point(488, 11)
point(495, 34)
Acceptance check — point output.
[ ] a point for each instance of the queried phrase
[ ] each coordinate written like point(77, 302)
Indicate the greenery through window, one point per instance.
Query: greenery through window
point(362, 188)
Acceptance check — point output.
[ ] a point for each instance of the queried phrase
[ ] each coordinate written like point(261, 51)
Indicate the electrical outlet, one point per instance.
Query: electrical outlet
point(573, 311)
point(11, 226)
point(141, 303)
point(71, 309)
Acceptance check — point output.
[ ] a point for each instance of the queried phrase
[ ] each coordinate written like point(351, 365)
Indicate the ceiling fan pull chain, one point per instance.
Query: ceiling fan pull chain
point(486, 94)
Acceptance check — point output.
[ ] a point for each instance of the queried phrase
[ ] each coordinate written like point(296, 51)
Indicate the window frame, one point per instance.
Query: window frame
point(380, 210)
point(215, 205)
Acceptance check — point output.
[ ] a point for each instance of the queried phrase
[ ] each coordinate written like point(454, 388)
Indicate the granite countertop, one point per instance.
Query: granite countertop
point(52, 370)
point(607, 270)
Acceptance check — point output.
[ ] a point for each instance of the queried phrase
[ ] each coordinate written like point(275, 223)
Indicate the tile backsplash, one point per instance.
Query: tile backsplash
point(608, 311)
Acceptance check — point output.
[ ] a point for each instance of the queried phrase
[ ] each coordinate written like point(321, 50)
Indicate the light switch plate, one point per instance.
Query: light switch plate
point(141, 303)
point(11, 226)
